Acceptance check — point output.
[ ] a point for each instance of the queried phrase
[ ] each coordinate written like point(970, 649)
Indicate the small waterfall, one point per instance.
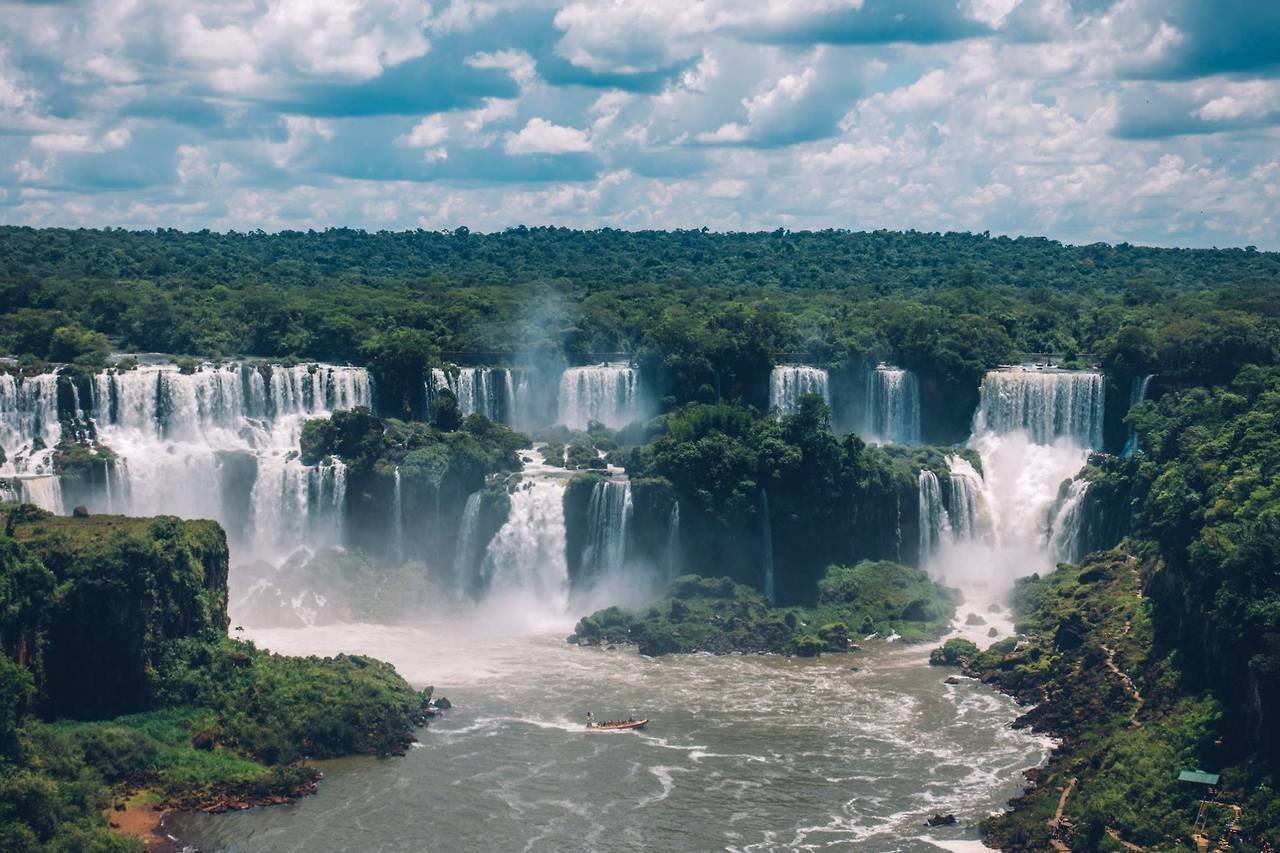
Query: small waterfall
point(1048, 404)
point(766, 547)
point(487, 391)
point(608, 516)
point(789, 382)
point(893, 406)
point(1066, 522)
point(966, 505)
point(397, 519)
point(44, 492)
point(673, 541)
point(526, 558)
point(933, 516)
point(28, 418)
point(467, 553)
point(608, 393)
point(1137, 394)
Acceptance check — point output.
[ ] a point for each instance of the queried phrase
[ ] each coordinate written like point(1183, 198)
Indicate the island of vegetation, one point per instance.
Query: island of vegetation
point(121, 695)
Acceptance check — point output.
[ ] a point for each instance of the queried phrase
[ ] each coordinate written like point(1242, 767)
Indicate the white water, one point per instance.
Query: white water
point(525, 562)
point(789, 382)
point(488, 391)
point(28, 416)
point(223, 439)
point(933, 515)
point(397, 517)
point(1047, 403)
point(673, 542)
point(1065, 522)
point(608, 393)
point(466, 557)
point(608, 518)
point(766, 546)
point(893, 406)
point(1137, 394)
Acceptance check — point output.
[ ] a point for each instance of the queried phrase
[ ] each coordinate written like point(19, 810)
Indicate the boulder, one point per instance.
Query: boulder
point(974, 619)
point(993, 633)
point(951, 679)
point(941, 820)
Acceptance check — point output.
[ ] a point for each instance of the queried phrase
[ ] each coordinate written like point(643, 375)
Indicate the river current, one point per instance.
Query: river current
point(744, 753)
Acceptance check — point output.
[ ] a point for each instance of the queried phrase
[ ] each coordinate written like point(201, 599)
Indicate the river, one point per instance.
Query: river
point(744, 753)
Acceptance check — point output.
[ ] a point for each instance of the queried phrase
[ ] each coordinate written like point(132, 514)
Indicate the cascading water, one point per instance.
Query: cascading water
point(221, 443)
point(1047, 403)
point(29, 432)
point(604, 393)
point(966, 505)
point(488, 391)
point(1137, 394)
point(789, 382)
point(608, 517)
point(673, 542)
point(467, 555)
point(893, 406)
point(933, 515)
point(608, 393)
point(1066, 520)
point(525, 562)
point(397, 518)
point(766, 547)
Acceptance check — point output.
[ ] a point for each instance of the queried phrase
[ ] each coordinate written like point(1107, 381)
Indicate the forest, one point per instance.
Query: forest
point(1176, 583)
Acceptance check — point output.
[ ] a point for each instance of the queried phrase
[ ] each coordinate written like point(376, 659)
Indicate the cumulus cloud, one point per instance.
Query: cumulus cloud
point(540, 136)
point(1142, 120)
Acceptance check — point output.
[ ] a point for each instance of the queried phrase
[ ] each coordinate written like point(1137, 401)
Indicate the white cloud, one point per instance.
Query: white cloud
point(540, 136)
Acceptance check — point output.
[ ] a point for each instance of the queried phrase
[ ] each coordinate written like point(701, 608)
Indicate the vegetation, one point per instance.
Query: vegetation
point(117, 677)
point(704, 614)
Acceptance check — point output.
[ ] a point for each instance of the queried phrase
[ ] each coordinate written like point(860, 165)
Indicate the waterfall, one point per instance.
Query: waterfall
point(488, 391)
point(608, 393)
point(466, 555)
point(221, 443)
point(966, 503)
point(673, 541)
point(893, 406)
point(789, 382)
point(933, 516)
point(1066, 520)
point(28, 419)
point(608, 516)
point(44, 492)
point(766, 546)
point(526, 558)
point(397, 519)
point(1048, 404)
point(1137, 394)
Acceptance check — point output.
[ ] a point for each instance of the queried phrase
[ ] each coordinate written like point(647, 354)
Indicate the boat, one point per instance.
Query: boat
point(616, 725)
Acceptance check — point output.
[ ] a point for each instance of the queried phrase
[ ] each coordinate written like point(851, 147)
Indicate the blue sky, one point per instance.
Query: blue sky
point(1152, 121)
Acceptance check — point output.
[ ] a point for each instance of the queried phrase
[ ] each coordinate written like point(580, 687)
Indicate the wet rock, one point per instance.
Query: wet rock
point(974, 619)
point(442, 704)
point(994, 608)
point(951, 679)
point(941, 820)
point(993, 633)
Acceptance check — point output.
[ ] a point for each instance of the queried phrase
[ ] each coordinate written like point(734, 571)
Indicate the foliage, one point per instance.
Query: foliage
point(705, 614)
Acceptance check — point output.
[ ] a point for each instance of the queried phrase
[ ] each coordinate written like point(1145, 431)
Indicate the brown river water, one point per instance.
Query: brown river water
point(744, 753)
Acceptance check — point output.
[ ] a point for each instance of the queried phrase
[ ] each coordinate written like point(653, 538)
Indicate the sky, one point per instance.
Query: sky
point(1147, 121)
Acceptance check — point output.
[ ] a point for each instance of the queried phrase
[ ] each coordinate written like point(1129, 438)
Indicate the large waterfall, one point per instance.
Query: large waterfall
point(466, 557)
point(525, 562)
point(1065, 522)
point(1047, 403)
point(789, 382)
point(222, 443)
point(608, 393)
point(608, 516)
point(933, 515)
point(893, 406)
